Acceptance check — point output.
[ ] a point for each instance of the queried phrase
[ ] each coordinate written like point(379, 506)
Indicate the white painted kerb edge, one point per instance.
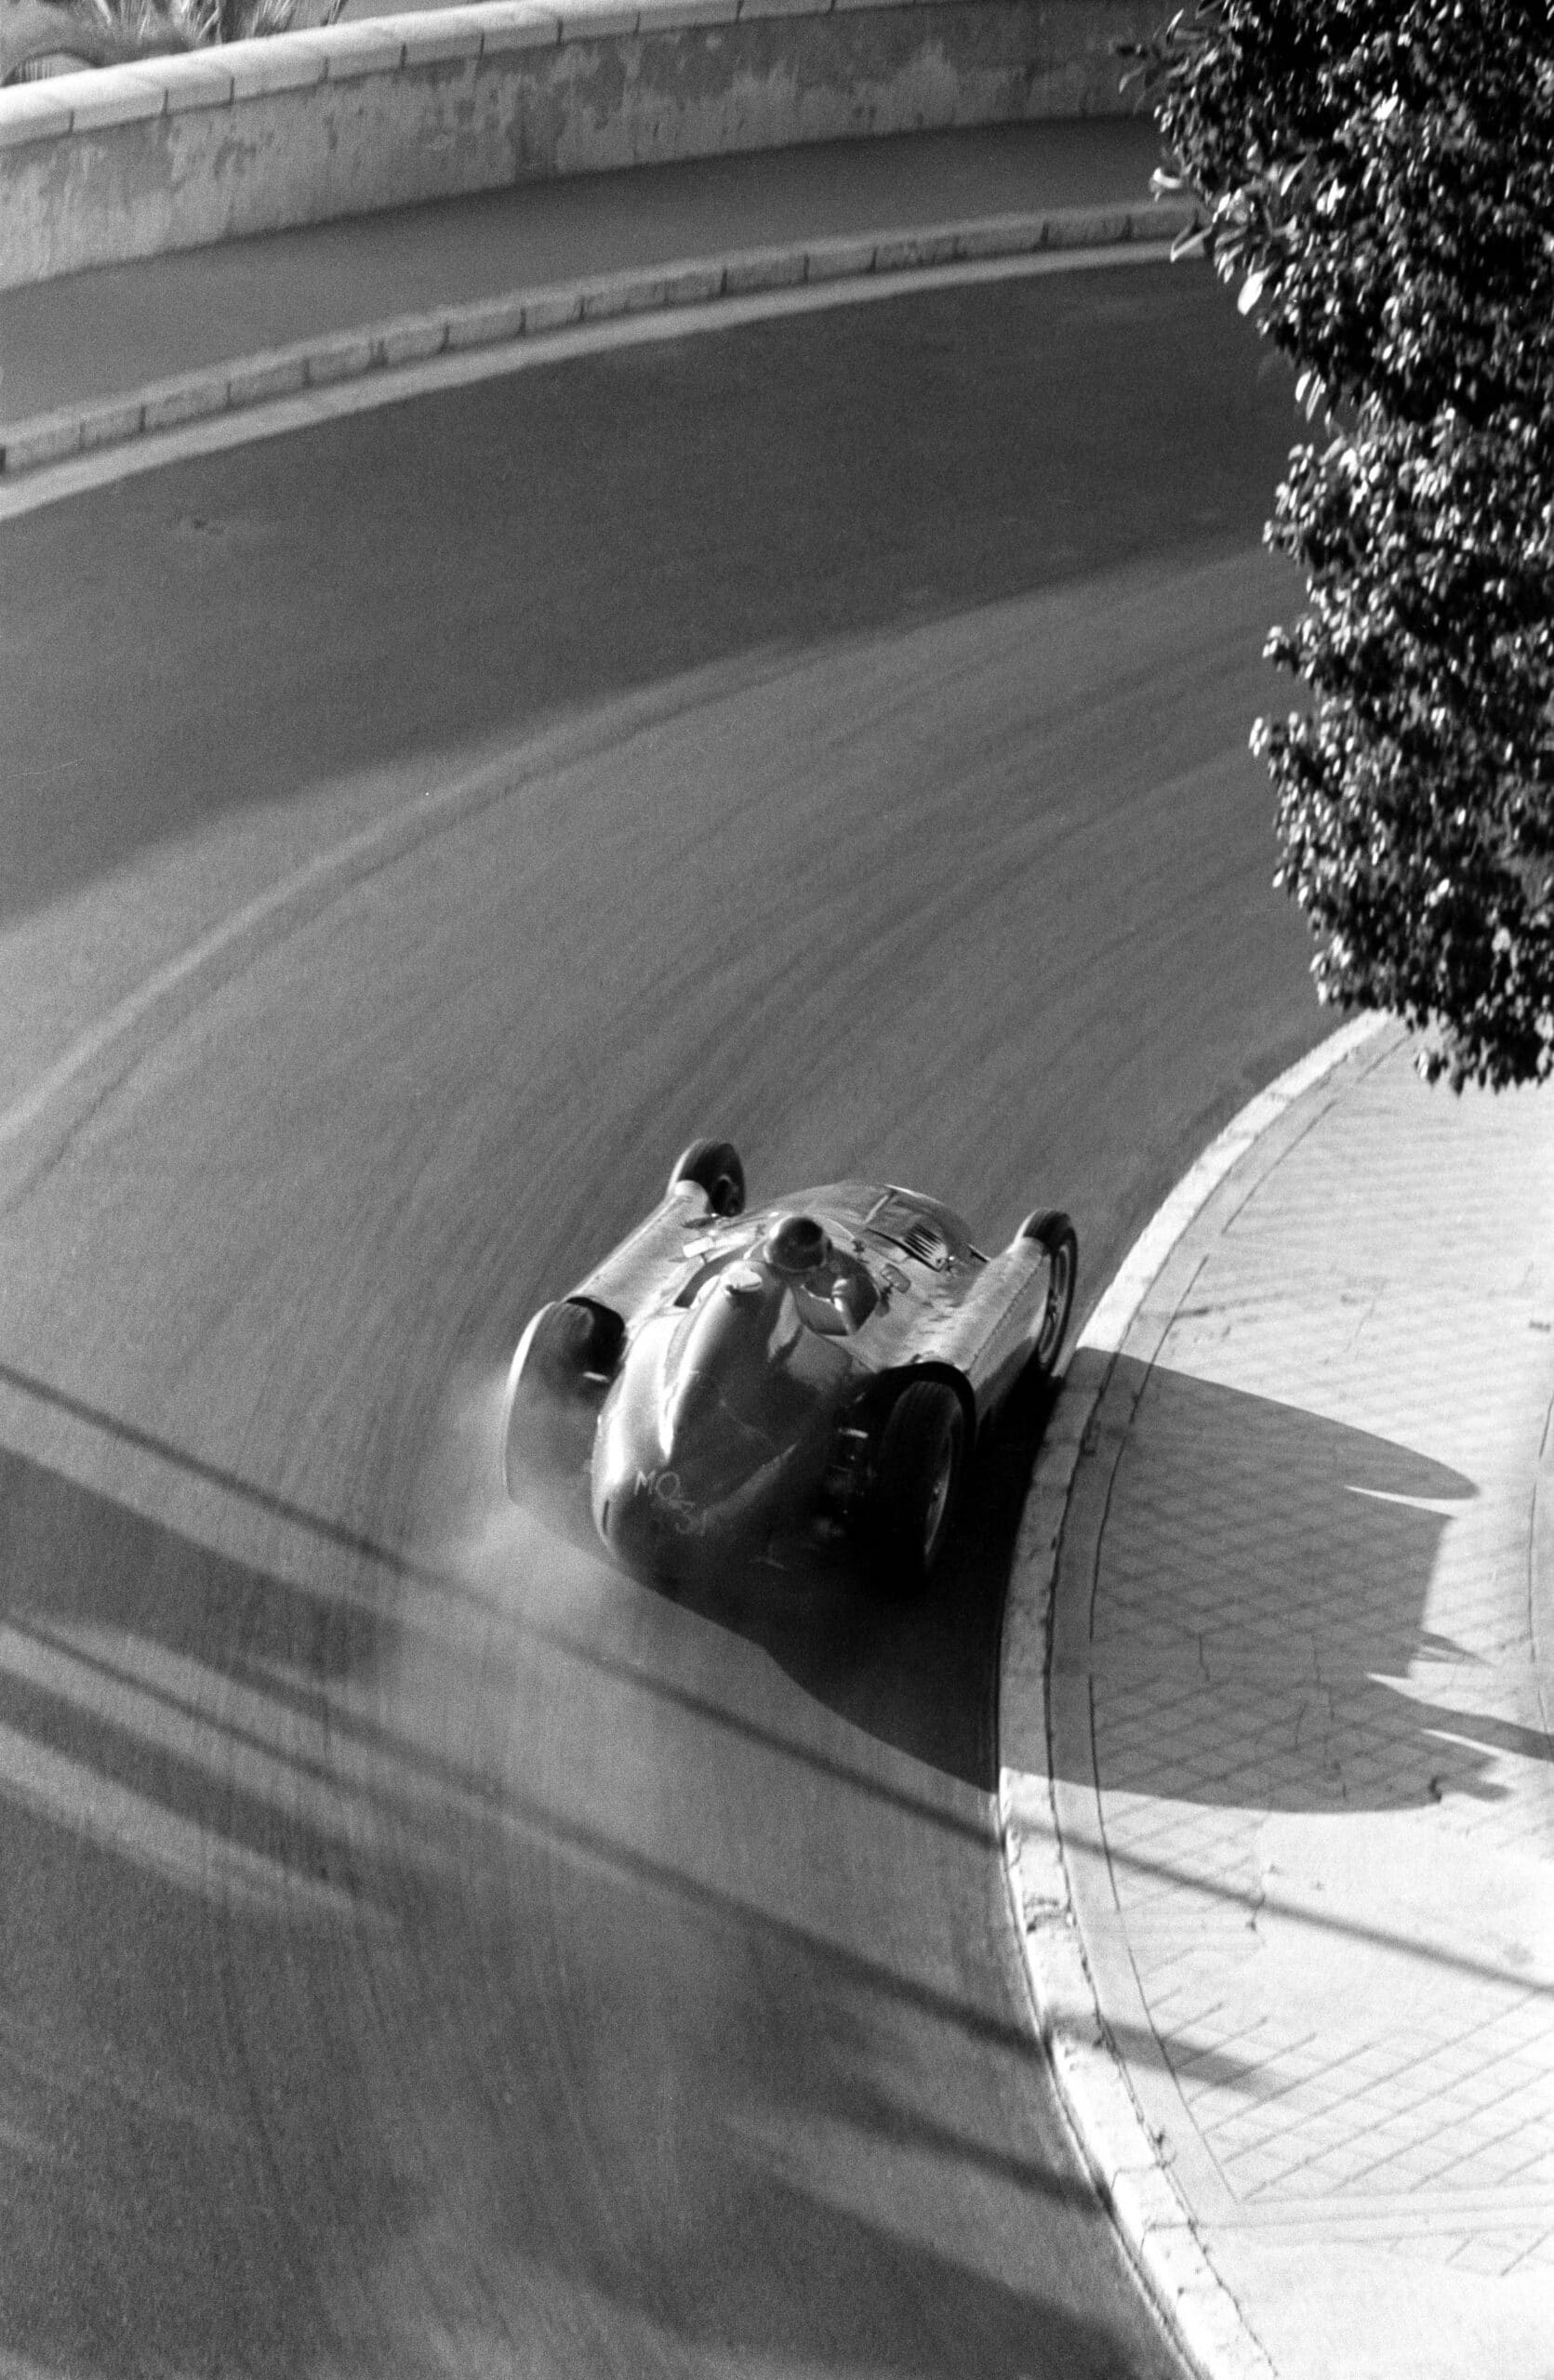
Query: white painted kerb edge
point(213, 432)
point(1109, 2128)
point(1108, 1325)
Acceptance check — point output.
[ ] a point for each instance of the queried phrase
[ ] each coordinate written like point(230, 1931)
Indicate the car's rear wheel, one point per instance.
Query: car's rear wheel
point(1057, 1234)
point(715, 1167)
point(910, 1503)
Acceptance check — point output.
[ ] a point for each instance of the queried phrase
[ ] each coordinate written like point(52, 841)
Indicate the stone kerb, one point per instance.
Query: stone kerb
point(131, 161)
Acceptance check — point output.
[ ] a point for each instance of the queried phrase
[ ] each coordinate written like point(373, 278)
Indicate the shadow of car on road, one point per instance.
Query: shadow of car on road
point(917, 1672)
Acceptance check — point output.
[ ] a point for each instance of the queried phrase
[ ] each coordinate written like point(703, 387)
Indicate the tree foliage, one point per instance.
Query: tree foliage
point(1379, 177)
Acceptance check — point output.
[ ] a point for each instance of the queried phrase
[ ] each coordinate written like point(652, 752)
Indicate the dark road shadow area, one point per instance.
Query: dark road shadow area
point(301, 2023)
point(1264, 1577)
point(433, 577)
point(167, 1827)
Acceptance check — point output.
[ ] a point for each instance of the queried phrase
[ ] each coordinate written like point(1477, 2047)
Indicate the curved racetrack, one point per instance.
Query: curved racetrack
point(424, 1952)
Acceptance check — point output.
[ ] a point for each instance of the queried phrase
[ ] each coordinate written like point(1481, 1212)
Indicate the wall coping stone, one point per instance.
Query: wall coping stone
point(238, 70)
point(192, 149)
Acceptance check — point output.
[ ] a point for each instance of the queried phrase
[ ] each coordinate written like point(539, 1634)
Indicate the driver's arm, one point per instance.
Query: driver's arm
point(822, 1314)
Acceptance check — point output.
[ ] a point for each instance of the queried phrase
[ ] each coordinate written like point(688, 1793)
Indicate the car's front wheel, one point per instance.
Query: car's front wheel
point(1054, 1232)
point(715, 1167)
point(911, 1499)
point(564, 1345)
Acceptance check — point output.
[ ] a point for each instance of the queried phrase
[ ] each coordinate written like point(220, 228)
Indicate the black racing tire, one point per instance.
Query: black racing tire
point(562, 1345)
point(571, 1339)
point(918, 1470)
point(715, 1167)
point(1057, 1234)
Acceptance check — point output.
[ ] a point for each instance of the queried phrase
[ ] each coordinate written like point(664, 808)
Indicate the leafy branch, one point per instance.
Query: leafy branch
point(1378, 177)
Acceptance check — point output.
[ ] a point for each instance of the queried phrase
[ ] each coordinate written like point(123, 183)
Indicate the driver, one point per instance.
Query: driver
point(832, 1291)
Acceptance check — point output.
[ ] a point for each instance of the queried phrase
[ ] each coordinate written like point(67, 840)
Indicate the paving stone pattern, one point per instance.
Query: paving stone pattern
point(1321, 1669)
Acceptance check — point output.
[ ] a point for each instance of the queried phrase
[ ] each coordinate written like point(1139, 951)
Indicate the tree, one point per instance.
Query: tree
point(1379, 175)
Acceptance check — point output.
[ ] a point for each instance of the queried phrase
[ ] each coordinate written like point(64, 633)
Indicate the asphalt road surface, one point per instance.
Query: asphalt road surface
point(423, 1950)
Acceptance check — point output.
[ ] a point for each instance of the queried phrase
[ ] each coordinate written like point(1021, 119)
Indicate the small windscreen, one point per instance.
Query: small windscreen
point(903, 1223)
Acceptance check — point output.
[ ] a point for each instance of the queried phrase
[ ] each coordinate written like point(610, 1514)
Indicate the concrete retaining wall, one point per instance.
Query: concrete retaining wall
point(177, 152)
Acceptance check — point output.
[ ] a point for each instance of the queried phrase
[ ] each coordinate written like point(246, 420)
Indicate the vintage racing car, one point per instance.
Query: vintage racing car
point(726, 1379)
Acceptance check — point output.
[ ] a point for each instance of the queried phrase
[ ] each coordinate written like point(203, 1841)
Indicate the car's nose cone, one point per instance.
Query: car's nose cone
point(634, 1513)
point(681, 1457)
point(667, 1518)
point(655, 1523)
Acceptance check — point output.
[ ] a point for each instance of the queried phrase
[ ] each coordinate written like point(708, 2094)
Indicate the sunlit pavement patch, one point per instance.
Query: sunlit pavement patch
point(1277, 1829)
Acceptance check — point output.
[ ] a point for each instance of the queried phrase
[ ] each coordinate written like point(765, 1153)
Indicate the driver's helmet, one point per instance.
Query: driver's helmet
point(796, 1247)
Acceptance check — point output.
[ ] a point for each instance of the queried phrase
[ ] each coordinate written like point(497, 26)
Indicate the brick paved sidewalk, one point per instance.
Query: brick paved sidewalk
point(1301, 1684)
